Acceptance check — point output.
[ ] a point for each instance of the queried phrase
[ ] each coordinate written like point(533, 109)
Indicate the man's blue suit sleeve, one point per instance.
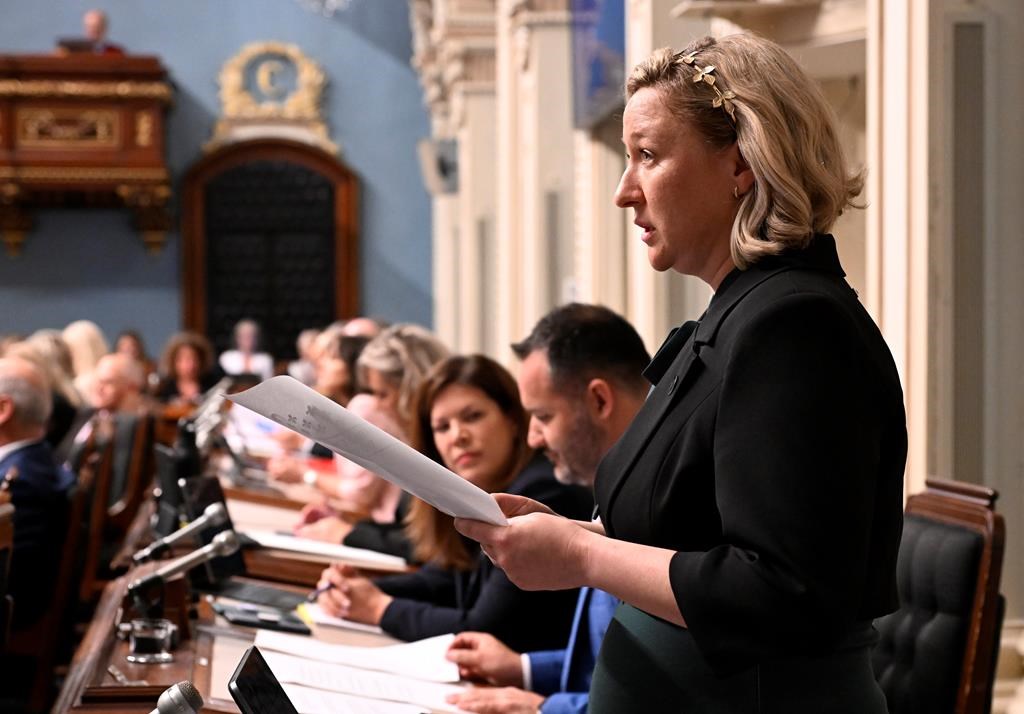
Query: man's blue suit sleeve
point(546, 670)
point(566, 703)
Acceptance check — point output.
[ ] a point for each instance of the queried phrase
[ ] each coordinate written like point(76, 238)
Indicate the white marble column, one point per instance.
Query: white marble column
point(535, 163)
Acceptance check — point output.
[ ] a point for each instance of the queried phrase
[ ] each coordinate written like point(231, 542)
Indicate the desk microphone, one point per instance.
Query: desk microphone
point(210, 417)
point(180, 698)
point(210, 401)
point(214, 515)
point(224, 543)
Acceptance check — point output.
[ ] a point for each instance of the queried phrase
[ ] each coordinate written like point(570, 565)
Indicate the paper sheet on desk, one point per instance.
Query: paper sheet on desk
point(292, 404)
point(360, 682)
point(313, 613)
point(423, 659)
point(307, 700)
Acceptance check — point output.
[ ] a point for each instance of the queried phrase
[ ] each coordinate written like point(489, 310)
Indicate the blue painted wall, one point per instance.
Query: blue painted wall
point(91, 264)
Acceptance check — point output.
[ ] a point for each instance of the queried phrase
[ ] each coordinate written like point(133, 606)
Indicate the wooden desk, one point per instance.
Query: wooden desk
point(91, 687)
point(249, 510)
point(207, 660)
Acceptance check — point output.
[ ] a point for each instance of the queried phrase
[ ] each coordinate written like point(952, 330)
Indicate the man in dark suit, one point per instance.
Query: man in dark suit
point(38, 489)
point(581, 382)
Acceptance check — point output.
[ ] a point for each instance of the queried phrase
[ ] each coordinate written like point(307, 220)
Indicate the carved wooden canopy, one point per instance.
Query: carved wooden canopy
point(83, 129)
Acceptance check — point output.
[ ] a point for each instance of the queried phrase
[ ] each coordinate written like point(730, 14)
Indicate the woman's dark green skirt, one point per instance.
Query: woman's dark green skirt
point(646, 664)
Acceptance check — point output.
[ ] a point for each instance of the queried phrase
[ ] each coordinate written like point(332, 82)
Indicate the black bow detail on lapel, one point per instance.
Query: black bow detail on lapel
point(668, 351)
point(678, 373)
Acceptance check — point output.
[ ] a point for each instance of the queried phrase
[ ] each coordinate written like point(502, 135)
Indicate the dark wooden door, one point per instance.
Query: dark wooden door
point(269, 235)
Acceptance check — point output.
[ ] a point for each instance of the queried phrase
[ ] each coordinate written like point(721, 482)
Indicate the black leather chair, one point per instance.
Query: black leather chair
point(937, 653)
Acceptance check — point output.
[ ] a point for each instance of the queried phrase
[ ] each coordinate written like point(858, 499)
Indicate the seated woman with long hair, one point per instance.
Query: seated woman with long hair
point(468, 417)
point(186, 368)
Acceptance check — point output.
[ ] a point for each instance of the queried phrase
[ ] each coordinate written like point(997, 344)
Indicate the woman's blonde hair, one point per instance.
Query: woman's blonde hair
point(403, 354)
point(782, 124)
point(50, 345)
point(432, 532)
point(87, 344)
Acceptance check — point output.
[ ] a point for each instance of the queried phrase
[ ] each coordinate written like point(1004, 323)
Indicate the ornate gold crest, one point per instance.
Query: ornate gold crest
point(271, 89)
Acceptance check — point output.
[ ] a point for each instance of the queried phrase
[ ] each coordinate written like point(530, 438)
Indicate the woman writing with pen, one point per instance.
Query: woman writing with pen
point(468, 417)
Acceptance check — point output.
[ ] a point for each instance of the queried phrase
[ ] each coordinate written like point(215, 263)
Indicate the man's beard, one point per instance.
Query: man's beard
point(579, 458)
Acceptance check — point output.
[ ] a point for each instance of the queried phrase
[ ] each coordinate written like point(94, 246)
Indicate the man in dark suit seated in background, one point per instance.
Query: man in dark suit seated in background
point(37, 486)
point(581, 382)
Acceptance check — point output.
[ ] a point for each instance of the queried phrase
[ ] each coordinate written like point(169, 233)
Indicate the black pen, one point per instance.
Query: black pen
point(312, 597)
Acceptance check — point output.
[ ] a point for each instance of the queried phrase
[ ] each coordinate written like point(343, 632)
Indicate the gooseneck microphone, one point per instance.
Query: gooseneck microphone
point(180, 698)
point(224, 543)
point(214, 515)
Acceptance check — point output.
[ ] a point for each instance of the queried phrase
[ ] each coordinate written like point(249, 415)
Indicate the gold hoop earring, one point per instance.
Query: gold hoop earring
point(736, 192)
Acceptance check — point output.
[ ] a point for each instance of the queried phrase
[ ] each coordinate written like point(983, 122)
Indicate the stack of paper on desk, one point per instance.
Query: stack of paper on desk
point(354, 556)
point(292, 404)
point(409, 674)
point(313, 613)
point(360, 682)
point(307, 700)
point(423, 659)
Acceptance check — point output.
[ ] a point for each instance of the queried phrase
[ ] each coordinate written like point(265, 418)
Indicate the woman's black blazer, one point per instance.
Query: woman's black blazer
point(770, 456)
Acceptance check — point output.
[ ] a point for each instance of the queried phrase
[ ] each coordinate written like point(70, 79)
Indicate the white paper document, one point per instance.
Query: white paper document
point(423, 659)
point(307, 700)
point(361, 682)
point(334, 551)
point(292, 404)
point(316, 614)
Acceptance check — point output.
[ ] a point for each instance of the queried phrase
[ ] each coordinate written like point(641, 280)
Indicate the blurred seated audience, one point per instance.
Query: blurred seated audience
point(47, 351)
point(87, 344)
point(335, 377)
point(396, 361)
point(120, 381)
point(336, 374)
point(51, 347)
point(352, 489)
point(186, 369)
point(246, 358)
point(6, 340)
point(130, 343)
point(363, 327)
point(303, 368)
point(37, 486)
point(467, 417)
point(118, 390)
point(393, 364)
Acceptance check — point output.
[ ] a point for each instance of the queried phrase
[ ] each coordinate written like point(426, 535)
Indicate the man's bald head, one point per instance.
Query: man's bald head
point(25, 400)
point(94, 22)
point(118, 382)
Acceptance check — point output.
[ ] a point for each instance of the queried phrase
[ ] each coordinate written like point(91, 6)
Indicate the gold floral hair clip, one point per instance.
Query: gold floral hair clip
point(706, 75)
